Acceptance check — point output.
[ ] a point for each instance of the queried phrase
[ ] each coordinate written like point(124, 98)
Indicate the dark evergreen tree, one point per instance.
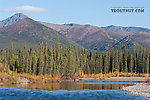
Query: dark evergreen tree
point(125, 60)
point(106, 67)
point(147, 62)
point(65, 60)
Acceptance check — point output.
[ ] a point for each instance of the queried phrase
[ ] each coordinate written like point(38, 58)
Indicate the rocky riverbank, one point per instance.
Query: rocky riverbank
point(142, 89)
point(124, 79)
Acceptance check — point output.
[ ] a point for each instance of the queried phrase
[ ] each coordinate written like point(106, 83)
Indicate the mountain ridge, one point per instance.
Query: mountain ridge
point(12, 20)
point(19, 26)
point(106, 42)
point(30, 31)
point(86, 35)
point(126, 30)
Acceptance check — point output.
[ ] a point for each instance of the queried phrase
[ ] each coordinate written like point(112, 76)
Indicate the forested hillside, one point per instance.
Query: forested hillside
point(64, 60)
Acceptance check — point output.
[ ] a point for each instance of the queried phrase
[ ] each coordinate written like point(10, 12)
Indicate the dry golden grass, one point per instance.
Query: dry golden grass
point(9, 76)
point(108, 75)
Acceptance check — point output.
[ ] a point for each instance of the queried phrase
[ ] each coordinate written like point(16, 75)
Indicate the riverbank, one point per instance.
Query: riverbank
point(15, 78)
point(129, 79)
point(12, 77)
point(142, 89)
point(119, 79)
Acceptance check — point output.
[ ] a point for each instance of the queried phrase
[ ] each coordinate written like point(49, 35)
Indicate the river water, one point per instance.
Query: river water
point(84, 90)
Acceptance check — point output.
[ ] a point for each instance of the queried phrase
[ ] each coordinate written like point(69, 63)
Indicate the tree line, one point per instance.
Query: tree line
point(62, 60)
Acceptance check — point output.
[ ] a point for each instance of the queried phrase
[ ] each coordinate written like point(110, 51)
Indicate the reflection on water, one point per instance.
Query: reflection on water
point(92, 85)
point(85, 90)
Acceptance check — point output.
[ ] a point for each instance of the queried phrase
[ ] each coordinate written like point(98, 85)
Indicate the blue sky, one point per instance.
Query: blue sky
point(94, 12)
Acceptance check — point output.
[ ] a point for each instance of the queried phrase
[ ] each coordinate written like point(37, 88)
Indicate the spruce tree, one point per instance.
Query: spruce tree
point(106, 67)
point(41, 60)
point(131, 63)
point(11, 57)
point(34, 62)
point(147, 62)
point(139, 67)
point(45, 68)
point(143, 60)
point(135, 61)
point(125, 60)
point(116, 67)
point(112, 57)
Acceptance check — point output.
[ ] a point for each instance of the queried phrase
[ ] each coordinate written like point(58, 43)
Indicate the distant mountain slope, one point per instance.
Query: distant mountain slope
point(32, 32)
point(133, 36)
point(142, 38)
point(126, 30)
point(19, 29)
point(126, 41)
point(136, 40)
point(90, 36)
point(86, 35)
point(12, 20)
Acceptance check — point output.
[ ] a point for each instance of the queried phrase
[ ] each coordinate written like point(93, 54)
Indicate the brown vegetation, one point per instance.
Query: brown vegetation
point(8, 76)
point(148, 81)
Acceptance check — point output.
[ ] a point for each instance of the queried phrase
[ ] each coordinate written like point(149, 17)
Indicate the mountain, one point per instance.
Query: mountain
point(91, 36)
point(86, 35)
point(19, 29)
point(12, 20)
point(32, 32)
point(137, 35)
point(142, 38)
point(126, 30)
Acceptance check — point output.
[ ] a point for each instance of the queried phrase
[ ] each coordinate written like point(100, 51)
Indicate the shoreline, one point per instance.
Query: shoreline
point(23, 80)
point(129, 79)
point(142, 89)
point(117, 79)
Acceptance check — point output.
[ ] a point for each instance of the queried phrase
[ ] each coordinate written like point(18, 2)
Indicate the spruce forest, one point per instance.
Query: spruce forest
point(63, 60)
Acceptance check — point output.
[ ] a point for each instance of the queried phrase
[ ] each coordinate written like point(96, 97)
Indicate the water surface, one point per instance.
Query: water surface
point(70, 85)
point(84, 90)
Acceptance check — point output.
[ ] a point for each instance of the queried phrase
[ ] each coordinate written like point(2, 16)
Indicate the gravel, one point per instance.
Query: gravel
point(142, 89)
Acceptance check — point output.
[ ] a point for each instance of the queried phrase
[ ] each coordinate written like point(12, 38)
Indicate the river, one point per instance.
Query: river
point(84, 90)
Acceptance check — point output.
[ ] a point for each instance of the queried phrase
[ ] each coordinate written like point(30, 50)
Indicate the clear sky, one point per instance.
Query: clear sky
point(94, 12)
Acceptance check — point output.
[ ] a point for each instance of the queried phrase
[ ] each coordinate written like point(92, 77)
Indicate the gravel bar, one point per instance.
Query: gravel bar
point(142, 89)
